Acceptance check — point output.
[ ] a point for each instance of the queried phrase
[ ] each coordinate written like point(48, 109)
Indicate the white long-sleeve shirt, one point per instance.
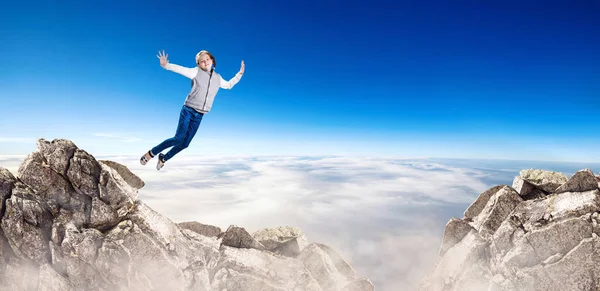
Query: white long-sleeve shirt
point(192, 72)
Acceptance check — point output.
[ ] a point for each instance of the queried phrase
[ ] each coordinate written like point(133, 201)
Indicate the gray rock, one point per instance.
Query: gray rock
point(581, 181)
point(522, 186)
point(53, 187)
point(500, 205)
point(322, 268)
point(7, 181)
point(292, 247)
point(237, 270)
point(57, 153)
point(27, 225)
point(238, 237)
point(527, 190)
point(547, 181)
point(468, 253)
point(200, 228)
point(272, 238)
point(84, 173)
point(132, 179)
point(454, 232)
point(341, 265)
point(481, 201)
point(285, 240)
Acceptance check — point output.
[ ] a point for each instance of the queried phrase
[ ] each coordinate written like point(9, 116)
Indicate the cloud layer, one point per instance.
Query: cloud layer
point(385, 216)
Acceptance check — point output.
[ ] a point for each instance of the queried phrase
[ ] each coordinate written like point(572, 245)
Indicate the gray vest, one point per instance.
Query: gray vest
point(203, 92)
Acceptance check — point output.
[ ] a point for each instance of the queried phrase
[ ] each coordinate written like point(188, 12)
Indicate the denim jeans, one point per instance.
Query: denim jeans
point(189, 121)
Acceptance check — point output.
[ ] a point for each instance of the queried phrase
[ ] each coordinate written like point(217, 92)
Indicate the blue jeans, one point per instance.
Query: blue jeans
point(189, 121)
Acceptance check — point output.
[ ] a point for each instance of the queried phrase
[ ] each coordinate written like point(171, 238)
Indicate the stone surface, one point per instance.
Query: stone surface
point(545, 180)
point(238, 237)
point(581, 181)
point(285, 240)
point(200, 228)
point(132, 179)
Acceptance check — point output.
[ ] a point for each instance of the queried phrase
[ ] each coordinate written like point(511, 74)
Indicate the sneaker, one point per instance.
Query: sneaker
point(161, 161)
point(146, 157)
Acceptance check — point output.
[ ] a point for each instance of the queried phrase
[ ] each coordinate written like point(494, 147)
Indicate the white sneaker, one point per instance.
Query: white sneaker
point(161, 161)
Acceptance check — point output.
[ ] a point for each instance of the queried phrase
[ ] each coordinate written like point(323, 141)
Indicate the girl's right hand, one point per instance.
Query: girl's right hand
point(163, 58)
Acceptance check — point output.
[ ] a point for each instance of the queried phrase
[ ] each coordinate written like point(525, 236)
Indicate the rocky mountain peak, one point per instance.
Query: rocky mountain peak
point(541, 233)
point(71, 222)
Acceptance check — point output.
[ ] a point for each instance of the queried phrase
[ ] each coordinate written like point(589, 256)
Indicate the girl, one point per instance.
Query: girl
point(205, 85)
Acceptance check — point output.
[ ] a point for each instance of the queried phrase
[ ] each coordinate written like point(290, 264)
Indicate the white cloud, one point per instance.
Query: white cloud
point(17, 140)
point(11, 162)
point(124, 138)
point(385, 216)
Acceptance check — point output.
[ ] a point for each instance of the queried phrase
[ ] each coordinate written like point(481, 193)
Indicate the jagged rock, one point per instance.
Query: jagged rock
point(57, 153)
point(527, 190)
point(522, 186)
point(547, 181)
point(7, 181)
point(132, 179)
point(238, 237)
point(322, 268)
point(467, 254)
point(341, 265)
point(547, 243)
point(499, 206)
point(285, 240)
point(27, 224)
point(237, 270)
point(481, 201)
point(581, 181)
point(202, 229)
point(70, 222)
point(292, 247)
point(272, 238)
point(455, 231)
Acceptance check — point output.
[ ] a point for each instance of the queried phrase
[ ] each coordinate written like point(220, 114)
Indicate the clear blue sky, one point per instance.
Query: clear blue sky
point(491, 79)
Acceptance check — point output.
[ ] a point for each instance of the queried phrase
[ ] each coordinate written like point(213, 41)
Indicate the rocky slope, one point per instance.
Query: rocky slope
point(541, 233)
point(71, 222)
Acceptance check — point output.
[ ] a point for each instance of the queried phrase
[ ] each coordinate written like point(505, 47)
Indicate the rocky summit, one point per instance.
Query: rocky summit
point(71, 222)
point(541, 233)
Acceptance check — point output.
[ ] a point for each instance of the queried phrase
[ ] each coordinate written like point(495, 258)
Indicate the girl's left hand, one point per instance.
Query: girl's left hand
point(242, 68)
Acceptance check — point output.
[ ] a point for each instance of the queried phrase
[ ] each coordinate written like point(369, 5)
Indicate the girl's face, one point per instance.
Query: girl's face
point(205, 62)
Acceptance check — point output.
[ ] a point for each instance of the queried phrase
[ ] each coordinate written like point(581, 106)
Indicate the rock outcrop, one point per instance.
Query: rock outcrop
point(71, 222)
point(541, 233)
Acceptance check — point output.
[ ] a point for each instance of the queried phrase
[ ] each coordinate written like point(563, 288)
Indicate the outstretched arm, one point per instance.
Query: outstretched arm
point(229, 84)
point(164, 62)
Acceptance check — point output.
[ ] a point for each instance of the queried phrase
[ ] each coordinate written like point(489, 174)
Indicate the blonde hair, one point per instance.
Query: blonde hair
point(209, 55)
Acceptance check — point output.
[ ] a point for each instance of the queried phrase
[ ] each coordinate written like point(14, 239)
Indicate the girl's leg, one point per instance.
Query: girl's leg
point(184, 120)
point(193, 125)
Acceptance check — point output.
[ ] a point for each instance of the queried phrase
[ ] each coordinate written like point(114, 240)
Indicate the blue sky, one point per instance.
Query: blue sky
point(501, 79)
